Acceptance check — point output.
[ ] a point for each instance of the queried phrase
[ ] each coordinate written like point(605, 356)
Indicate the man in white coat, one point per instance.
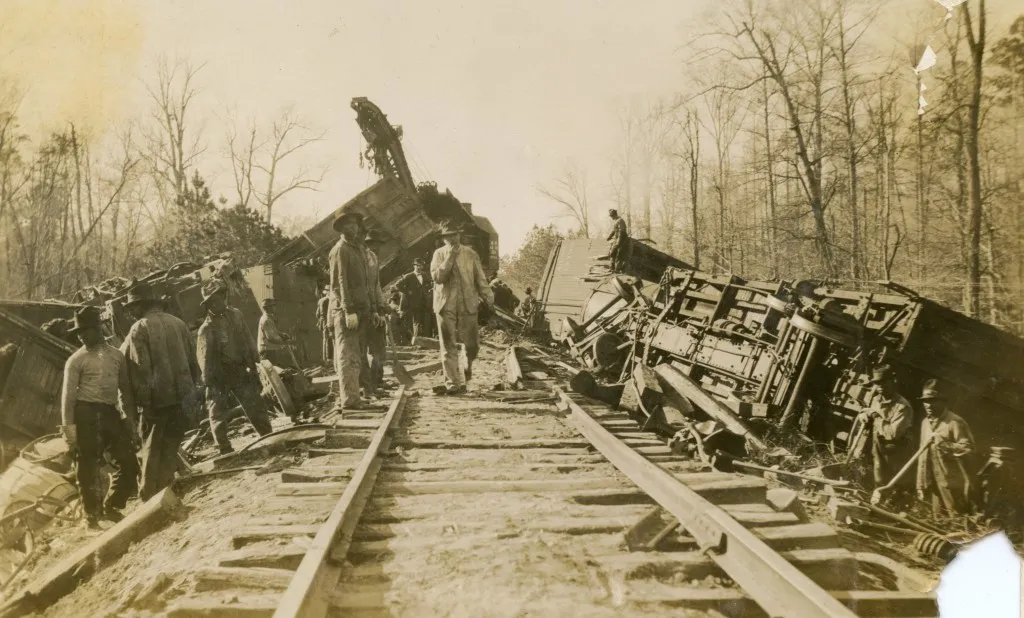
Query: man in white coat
point(459, 287)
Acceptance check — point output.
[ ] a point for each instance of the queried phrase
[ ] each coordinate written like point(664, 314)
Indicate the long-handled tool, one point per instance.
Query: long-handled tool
point(725, 463)
point(876, 495)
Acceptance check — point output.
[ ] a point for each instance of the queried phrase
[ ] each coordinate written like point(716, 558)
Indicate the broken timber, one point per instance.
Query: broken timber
point(81, 564)
point(690, 390)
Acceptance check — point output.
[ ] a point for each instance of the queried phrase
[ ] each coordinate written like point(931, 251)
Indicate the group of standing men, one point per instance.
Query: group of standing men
point(161, 377)
point(357, 313)
point(945, 442)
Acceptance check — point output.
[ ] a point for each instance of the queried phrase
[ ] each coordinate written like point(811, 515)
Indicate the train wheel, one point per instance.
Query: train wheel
point(823, 332)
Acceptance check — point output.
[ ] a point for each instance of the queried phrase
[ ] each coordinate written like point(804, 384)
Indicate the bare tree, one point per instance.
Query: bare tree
point(793, 53)
point(242, 151)
point(976, 45)
point(725, 117)
point(288, 136)
point(171, 147)
point(570, 191)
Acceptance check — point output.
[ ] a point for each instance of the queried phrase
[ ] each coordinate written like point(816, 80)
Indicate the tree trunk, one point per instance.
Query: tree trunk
point(976, 43)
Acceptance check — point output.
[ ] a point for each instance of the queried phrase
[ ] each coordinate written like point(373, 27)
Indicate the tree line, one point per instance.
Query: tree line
point(797, 150)
point(77, 209)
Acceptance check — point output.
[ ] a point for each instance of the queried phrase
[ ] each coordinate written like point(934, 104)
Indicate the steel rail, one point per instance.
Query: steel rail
point(772, 582)
point(308, 593)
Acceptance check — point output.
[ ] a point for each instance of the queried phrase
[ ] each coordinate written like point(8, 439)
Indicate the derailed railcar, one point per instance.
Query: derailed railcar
point(31, 378)
point(798, 356)
point(403, 213)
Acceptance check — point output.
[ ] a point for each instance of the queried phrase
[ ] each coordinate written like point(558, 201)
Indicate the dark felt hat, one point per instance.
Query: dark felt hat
point(212, 288)
point(350, 214)
point(881, 374)
point(140, 293)
point(86, 318)
point(419, 262)
point(931, 390)
point(268, 302)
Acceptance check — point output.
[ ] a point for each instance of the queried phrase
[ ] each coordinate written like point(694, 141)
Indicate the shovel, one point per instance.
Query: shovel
point(724, 463)
point(876, 495)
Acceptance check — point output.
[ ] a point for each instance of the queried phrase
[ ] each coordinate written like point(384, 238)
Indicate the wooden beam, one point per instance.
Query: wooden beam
point(686, 387)
point(104, 549)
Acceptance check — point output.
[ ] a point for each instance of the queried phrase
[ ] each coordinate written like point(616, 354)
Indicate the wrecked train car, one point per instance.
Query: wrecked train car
point(31, 376)
point(403, 213)
point(577, 285)
point(799, 355)
point(296, 290)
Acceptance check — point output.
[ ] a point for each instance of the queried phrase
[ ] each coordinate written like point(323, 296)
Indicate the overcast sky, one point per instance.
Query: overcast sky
point(493, 96)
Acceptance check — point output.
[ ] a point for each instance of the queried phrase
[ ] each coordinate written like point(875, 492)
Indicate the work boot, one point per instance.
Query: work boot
point(92, 522)
point(224, 450)
point(457, 390)
point(113, 515)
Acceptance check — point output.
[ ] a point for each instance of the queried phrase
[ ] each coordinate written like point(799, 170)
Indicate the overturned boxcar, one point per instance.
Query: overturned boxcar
point(798, 355)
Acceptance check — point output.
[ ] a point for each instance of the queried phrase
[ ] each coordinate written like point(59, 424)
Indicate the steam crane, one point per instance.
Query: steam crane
point(404, 213)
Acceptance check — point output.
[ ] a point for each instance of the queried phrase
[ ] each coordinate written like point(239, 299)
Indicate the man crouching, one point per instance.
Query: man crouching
point(93, 375)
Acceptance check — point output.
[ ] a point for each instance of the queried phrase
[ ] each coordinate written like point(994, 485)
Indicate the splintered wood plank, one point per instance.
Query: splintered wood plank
point(275, 557)
point(255, 534)
point(221, 578)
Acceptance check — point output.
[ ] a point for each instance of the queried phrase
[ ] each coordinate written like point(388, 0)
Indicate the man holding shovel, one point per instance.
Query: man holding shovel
point(887, 421)
point(942, 477)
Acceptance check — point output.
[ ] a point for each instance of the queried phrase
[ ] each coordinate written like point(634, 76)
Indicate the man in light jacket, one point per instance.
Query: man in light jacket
point(460, 285)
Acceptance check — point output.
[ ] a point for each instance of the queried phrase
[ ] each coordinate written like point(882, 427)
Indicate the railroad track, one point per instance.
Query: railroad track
point(508, 503)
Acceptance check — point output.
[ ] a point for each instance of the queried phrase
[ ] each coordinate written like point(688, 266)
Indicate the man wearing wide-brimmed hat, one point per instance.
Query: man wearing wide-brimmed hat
point(228, 357)
point(92, 427)
point(165, 378)
point(376, 343)
point(942, 471)
point(460, 285)
point(350, 308)
point(417, 291)
point(890, 416)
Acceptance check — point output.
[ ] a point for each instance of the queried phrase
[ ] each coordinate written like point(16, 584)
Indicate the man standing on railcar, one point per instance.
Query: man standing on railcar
point(459, 287)
point(618, 242)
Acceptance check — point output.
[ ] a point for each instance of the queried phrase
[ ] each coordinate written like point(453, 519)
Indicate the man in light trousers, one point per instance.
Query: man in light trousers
point(460, 285)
